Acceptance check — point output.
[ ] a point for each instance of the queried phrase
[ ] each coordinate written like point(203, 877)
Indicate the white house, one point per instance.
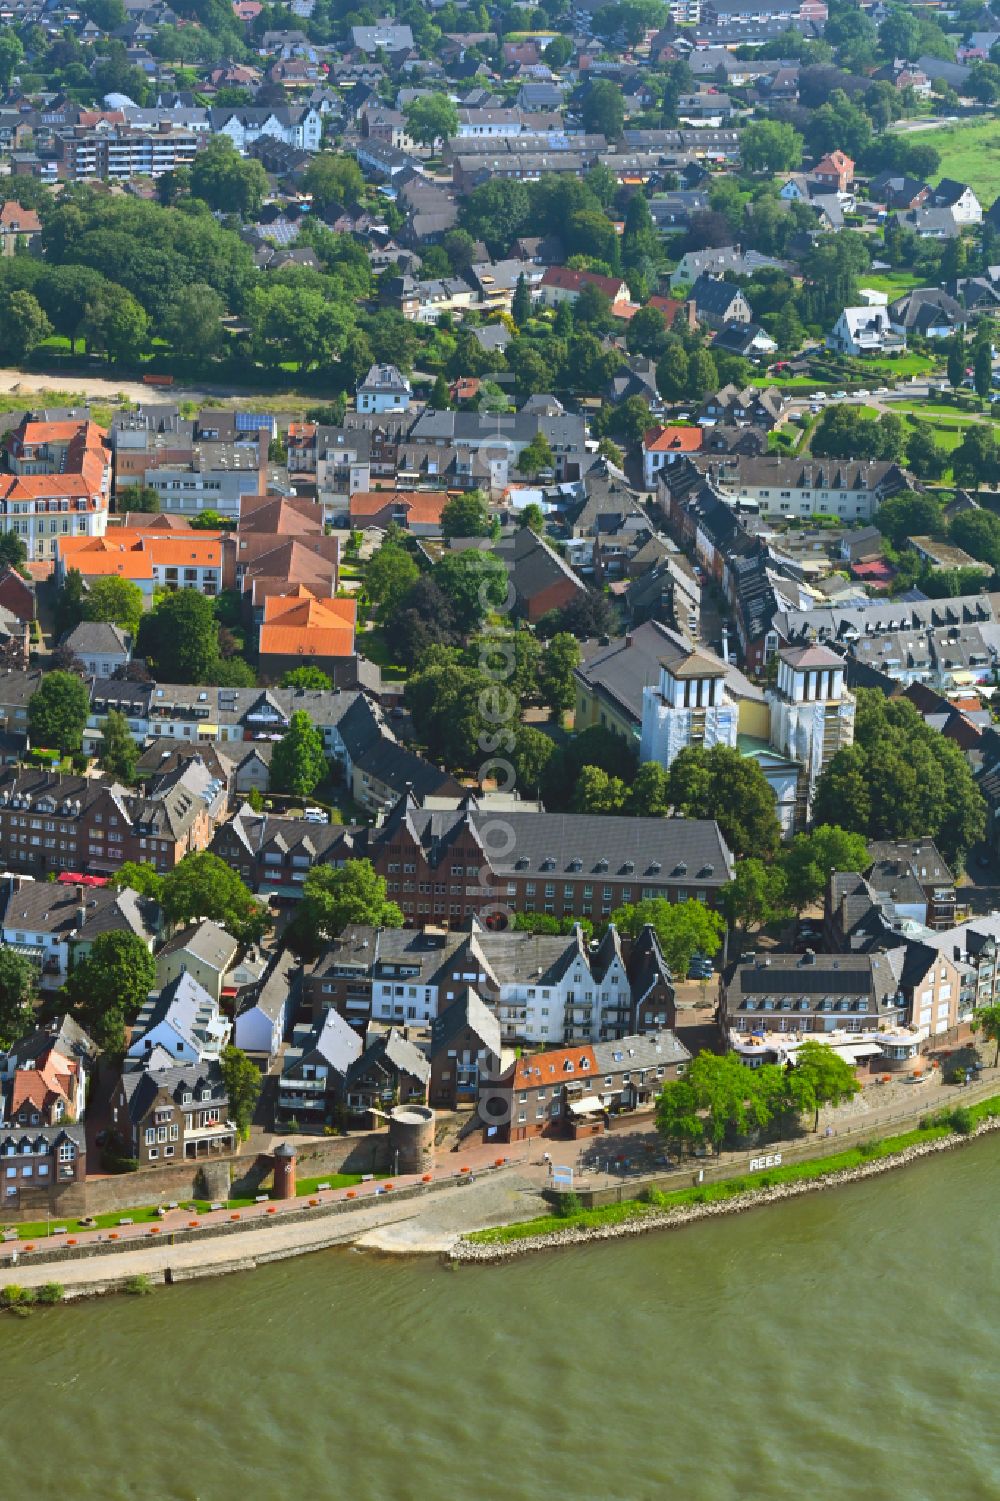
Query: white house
point(384, 389)
point(264, 1017)
point(864, 330)
point(99, 647)
point(182, 1023)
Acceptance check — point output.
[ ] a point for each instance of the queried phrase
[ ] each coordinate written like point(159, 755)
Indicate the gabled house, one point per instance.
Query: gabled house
point(835, 171)
point(465, 1053)
point(180, 1024)
point(266, 1011)
point(173, 1113)
point(959, 199)
point(392, 1070)
point(718, 303)
point(202, 950)
point(384, 389)
point(927, 311)
point(315, 1068)
point(865, 330)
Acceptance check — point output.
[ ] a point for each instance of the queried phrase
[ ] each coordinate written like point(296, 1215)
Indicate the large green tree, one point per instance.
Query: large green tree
point(118, 752)
point(180, 638)
point(243, 1085)
point(118, 601)
point(18, 983)
point(901, 780)
point(229, 183)
point(756, 896)
point(812, 858)
point(298, 763)
point(202, 885)
point(57, 712)
point(107, 987)
point(335, 897)
point(719, 783)
point(683, 929)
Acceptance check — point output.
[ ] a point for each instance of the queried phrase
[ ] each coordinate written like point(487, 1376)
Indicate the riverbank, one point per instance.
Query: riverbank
point(637, 1218)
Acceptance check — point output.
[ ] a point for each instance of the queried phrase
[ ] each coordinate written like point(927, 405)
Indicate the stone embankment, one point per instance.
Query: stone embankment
point(687, 1214)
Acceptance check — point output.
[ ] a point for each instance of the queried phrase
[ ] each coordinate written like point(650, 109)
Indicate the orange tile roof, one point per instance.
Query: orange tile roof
point(30, 434)
point(423, 506)
point(24, 220)
point(37, 1086)
point(308, 626)
point(672, 440)
point(539, 1070)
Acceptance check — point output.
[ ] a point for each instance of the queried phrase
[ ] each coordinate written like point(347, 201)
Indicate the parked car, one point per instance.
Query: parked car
point(315, 815)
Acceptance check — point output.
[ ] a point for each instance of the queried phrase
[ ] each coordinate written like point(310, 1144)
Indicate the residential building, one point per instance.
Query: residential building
point(835, 171)
point(300, 627)
point(662, 445)
point(562, 864)
point(182, 1023)
point(384, 389)
point(99, 647)
point(40, 1164)
point(19, 228)
point(264, 1014)
point(719, 303)
point(865, 330)
point(54, 924)
point(172, 1114)
point(314, 1069)
point(574, 1091)
point(466, 1053)
point(57, 483)
point(560, 284)
point(391, 1071)
point(202, 950)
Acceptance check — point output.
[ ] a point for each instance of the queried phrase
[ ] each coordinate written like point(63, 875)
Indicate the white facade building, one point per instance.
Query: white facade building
point(689, 706)
point(812, 713)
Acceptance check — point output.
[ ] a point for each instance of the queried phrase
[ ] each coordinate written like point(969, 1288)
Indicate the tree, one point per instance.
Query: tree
point(202, 885)
point(496, 212)
point(755, 897)
point(18, 982)
point(532, 516)
point(390, 573)
point(597, 792)
point(118, 753)
point(956, 360)
point(640, 241)
point(536, 457)
point(193, 322)
point(720, 783)
point(440, 399)
point(812, 858)
point(678, 1118)
point(23, 325)
point(649, 795)
point(431, 118)
point(533, 750)
point(978, 532)
point(298, 764)
point(447, 701)
point(57, 712)
point(770, 146)
point(333, 898)
point(982, 369)
point(229, 183)
point(901, 780)
point(602, 110)
point(11, 55)
point(975, 461)
point(986, 1019)
point(682, 928)
point(243, 1084)
point(137, 498)
point(923, 455)
point(555, 679)
point(14, 551)
point(181, 637)
point(310, 678)
point(473, 582)
point(333, 180)
point(115, 600)
point(558, 52)
point(821, 1076)
point(647, 333)
point(521, 306)
point(908, 514)
point(467, 515)
point(107, 988)
point(136, 875)
point(115, 324)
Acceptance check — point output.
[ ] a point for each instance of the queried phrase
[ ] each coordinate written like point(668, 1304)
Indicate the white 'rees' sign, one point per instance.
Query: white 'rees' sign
point(758, 1164)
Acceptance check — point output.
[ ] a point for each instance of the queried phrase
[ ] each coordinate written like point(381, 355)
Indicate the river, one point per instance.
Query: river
point(840, 1345)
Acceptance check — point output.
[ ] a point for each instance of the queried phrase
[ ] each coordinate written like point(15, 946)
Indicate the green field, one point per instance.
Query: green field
point(893, 283)
point(970, 153)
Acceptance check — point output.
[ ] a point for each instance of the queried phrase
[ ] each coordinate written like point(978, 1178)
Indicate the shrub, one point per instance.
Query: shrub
point(139, 1285)
point(568, 1204)
point(961, 1120)
point(654, 1196)
point(18, 1300)
point(957, 1074)
point(51, 1292)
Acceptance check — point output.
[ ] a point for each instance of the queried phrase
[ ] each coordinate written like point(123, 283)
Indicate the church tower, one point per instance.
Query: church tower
point(812, 714)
